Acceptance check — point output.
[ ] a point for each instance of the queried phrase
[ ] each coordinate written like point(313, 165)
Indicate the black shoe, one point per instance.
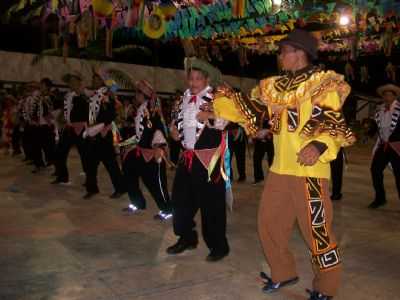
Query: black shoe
point(131, 209)
point(116, 195)
point(271, 287)
point(376, 203)
point(163, 216)
point(215, 256)
point(314, 295)
point(58, 181)
point(37, 170)
point(89, 195)
point(257, 181)
point(181, 246)
point(241, 179)
point(336, 197)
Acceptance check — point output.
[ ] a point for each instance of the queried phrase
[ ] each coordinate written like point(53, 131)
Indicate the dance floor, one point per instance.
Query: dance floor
point(56, 245)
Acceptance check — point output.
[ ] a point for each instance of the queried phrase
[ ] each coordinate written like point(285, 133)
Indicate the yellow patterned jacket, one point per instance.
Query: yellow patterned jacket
point(303, 107)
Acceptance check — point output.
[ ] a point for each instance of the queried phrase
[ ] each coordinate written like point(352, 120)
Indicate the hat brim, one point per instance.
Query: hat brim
point(214, 75)
point(296, 45)
point(388, 88)
point(145, 88)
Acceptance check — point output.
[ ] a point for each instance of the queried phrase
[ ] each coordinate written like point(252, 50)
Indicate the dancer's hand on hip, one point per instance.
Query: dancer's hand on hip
point(308, 156)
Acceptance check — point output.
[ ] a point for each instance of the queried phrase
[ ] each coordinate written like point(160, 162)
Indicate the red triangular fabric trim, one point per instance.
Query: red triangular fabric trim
point(105, 130)
point(148, 154)
point(205, 155)
point(396, 147)
point(78, 127)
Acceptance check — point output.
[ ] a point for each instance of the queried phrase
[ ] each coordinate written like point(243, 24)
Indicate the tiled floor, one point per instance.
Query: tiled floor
point(55, 245)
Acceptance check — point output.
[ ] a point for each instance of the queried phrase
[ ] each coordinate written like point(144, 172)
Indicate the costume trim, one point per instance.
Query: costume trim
point(253, 109)
point(205, 96)
point(95, 102)
point(315, 87)
point(325, 254)
point(327, 121)
point(68, 106)
point(395, 117)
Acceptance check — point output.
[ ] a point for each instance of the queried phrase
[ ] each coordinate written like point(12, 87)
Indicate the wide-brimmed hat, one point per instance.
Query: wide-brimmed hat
point(67, 77)
point(388, 88)
point(214, 75)
point(145, 87)
point(303, 40)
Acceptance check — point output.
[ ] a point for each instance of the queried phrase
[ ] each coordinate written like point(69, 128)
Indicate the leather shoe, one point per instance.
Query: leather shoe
point(116, 195)
point(376, 203)
point(336, 197)
point(89, 195)
point(181, 246)
point(213, 257)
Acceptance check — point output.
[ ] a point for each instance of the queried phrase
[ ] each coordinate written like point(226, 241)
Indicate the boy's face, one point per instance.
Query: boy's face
point(197, 81)
point(97, 82)
point(75, 84)
point(389, 97)
point(139, 97)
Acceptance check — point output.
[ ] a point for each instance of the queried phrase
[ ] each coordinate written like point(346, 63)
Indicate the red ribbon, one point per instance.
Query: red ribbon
point(138, 151)
point(188, 158)
point(193, 99)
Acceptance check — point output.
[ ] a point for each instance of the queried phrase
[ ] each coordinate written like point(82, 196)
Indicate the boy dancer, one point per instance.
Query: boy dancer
point(146, 159)
point(198, 182)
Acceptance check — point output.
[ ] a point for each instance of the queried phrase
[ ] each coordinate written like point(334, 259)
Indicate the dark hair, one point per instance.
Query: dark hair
point(47, 82)
point(205, 74)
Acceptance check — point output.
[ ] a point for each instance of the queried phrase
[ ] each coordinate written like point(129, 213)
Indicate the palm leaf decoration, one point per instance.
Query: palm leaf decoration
point(127, 48)
point(123, 80)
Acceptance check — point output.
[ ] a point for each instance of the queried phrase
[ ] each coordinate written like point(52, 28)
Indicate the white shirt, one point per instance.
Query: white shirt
point(190, 110)
point(386, 121)
point(138, 120)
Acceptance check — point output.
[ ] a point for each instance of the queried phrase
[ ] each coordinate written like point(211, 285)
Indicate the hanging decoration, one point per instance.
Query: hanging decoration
point(364, 75)
point(349, 72)
point(390, 70)
point(350, 28)
point(154, 25)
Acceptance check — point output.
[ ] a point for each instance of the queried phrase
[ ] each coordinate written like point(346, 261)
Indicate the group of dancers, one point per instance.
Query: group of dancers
point(301, 108)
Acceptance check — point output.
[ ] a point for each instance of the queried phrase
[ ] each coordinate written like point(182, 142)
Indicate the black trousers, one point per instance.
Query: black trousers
point(68, 138)
point(126, 132)
point(337, 173)
point(16, 139)
point(28, 141)
point(260, 148)
point(379, 162)
point(174, 150)
point(44, 143)
point(154, 177)
point(238, 149)
point(101, 149)
point(192, 191)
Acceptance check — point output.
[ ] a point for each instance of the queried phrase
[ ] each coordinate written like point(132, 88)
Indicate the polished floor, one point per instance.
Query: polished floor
point(55, 245)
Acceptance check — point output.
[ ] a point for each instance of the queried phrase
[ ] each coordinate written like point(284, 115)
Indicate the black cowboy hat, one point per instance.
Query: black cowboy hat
point(301, 39)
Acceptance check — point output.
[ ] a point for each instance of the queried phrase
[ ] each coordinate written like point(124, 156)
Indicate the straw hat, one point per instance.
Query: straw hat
point(214, 75)
point(388, 88)
point(145, 87)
